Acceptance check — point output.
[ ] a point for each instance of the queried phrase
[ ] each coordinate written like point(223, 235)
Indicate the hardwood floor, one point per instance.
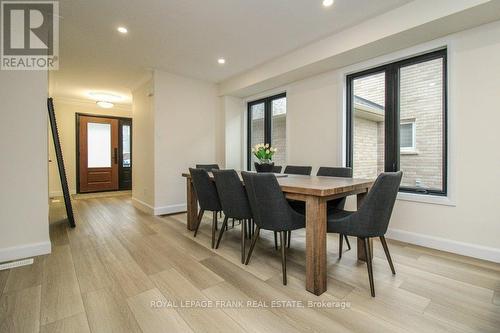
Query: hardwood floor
point(104, 275)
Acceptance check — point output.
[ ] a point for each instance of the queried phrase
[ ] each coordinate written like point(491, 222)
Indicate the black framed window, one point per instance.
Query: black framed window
point(267, 124)
point(397, 120)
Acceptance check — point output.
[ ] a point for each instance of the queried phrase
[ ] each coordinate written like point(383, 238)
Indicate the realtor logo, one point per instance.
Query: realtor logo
point(30, 35)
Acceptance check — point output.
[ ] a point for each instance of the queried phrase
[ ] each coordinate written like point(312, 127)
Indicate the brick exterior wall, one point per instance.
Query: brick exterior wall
point(278, 139)
point(421, 102)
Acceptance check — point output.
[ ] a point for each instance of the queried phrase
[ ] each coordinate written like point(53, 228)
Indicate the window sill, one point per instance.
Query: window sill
point(426, 198)
point(409, 152)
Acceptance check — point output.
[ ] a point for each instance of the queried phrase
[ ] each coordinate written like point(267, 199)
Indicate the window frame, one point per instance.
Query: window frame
point(392, 115)
point(268, 116)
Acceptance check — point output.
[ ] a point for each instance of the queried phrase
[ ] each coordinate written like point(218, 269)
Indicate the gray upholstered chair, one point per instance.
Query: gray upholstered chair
point(208, 167)
point(298, 170)
point(371, 219)
point(234, 202)
point(298, 206)
point(270, 210)
point(208, 198)
point(277, 169)
point(337, 203)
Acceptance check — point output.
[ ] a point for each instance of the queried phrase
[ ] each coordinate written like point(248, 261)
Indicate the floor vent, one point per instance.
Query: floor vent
point(15, 264)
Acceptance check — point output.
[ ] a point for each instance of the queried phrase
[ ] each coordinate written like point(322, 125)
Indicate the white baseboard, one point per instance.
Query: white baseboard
point(171, 209)
point(53, 194)
point(443, 244)
point(141, 205)
point(25, 251)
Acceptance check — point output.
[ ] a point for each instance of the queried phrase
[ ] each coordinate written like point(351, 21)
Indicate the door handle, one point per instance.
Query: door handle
point(116, 155)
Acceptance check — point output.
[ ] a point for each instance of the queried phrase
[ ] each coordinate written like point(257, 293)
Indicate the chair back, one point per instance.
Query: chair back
point(335, 172)
point(298, 170)
point(269, 207)
point(208, 167)
point(372, 218)
point(232, 194)
point(205, 190)
point(277, 169)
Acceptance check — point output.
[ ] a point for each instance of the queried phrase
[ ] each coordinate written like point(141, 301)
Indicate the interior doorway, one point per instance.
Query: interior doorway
point(104, 153)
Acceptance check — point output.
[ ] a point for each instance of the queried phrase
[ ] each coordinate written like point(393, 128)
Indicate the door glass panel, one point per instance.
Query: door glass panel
point(257, 127)
point(126, 146)
point(368, 125)
point(278, 139)
point(99, 145)
point(421, 104)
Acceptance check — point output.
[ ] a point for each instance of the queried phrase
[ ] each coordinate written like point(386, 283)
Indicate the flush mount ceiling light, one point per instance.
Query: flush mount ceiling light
point(327, 3)
point(221, 61)
point(106, 97)
point(122, 30)
point(104, 105)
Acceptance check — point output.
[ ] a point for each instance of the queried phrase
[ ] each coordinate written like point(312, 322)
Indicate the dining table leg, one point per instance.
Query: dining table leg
point(316, 276)
point(192, 205)
point(361, 242)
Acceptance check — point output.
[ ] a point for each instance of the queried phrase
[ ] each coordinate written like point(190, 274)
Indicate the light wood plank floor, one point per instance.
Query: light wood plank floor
point(103, 276)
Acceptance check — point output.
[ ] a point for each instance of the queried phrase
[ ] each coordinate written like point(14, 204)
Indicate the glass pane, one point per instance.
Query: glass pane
point(126, 146)
point(421, 98)
point(278, 130)
point(99, 145)
point(368, 125)
point(256, 127)
point(406, 135)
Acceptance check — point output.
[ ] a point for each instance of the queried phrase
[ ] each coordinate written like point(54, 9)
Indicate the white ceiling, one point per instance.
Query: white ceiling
point(187, 36)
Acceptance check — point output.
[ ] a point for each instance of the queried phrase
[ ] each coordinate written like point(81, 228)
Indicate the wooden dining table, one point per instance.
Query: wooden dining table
point(315, 191)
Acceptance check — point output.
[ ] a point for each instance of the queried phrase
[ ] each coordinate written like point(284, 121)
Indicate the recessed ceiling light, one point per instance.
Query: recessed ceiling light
point(122, 30)
point(221, 61)
point(104, 105)
point(107, 97)
point(327, 3)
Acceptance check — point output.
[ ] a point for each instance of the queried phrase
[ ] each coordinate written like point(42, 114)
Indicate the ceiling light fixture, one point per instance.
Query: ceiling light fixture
point(122, 30)
point(104, 105)
point(107, 97)
point(327, 3)
point(221, 61)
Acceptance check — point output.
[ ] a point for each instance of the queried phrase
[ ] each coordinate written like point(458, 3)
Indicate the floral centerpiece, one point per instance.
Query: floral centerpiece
point(264, 153)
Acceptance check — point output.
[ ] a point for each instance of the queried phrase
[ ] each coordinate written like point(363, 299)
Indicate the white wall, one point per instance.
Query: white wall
point(187, 131)
point(312, 123)
point(24, 228)
point(234, 127)
point(466, 222)
point(143, 141)
point(66, 110)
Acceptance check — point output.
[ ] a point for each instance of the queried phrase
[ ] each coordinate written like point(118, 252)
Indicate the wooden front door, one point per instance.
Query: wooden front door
point(98, 154)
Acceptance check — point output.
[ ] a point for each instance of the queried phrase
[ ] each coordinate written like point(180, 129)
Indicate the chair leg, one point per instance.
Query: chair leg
point(243, 241)
point(252, 245)
point(214, 228)
point(289, 238)
point(368, 257)
point(276, 240)
point(283, 235)
point(221, 232)
point(387, 254)
point(200, 217)
point(341, 241)
point(249, 232)
point(216, 220)
point(347, 241)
